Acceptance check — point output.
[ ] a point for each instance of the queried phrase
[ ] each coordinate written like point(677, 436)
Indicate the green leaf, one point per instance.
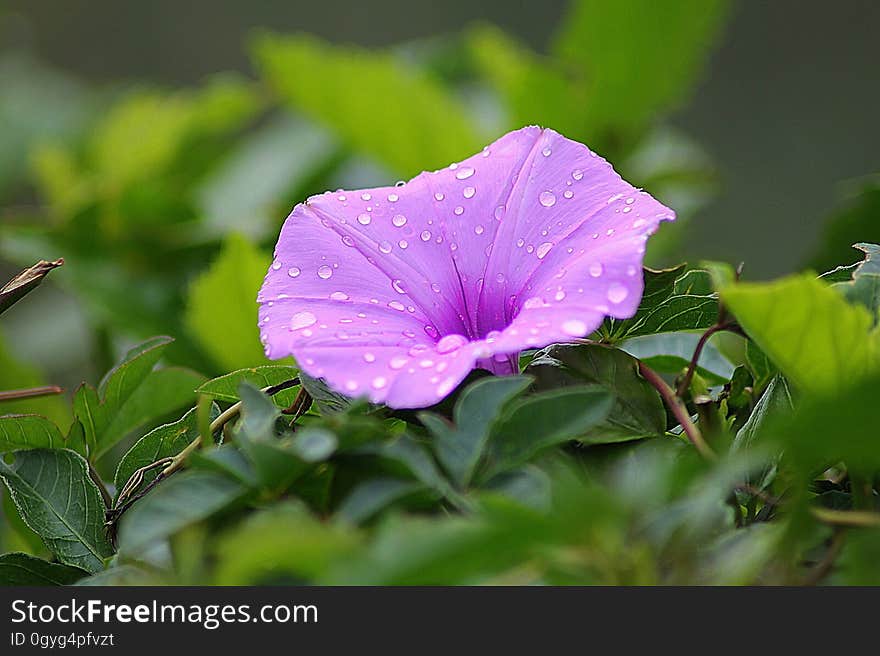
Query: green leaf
point(131, 395)
point(59, 501)
point(415, 460)
point(371, 496)
point(326, 400)
point(818, 340)
point(670, 353)
point(221, 310)
point(381, 105)
point(864, 285)
point(29, 432)
point(674, 300)
point(281, 544)
point(162, 442)
point(225, 388)
point(638, 410)
point(18, 569)
point(460, 447)
point(775, 402)
point(613, 46)
point(544, 420)
point(180, 501)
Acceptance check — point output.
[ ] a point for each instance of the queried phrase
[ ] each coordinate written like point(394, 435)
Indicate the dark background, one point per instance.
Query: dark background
point(786, 108)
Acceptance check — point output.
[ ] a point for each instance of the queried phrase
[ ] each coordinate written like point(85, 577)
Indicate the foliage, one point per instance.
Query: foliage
point(724, 434)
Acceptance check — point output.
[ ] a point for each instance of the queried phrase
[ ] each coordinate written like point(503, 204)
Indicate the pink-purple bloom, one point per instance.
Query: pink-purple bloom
point(397, 293)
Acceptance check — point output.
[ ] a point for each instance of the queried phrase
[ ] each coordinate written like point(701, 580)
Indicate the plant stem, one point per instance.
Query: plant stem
point(698, 351)
point(854, 518)
point(675, 404)
point(30, 393)
point(821, 569)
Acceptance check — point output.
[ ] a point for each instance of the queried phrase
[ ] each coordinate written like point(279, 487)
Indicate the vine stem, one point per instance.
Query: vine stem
point(30, 393)
point(685, 383)
point(676, 405)
point(853, 518)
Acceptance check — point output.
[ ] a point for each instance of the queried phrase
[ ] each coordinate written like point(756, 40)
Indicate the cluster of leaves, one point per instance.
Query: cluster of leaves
point(724, 434)
point(575, 471)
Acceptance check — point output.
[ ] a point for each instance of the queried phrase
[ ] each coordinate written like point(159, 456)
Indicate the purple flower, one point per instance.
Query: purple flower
point(396, 293)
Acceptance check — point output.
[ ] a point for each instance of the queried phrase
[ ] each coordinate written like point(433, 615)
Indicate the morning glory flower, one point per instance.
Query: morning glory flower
point(397, 293)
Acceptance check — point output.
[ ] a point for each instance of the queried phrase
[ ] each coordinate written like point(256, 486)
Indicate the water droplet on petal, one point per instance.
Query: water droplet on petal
point(450, 343)
point(403, 243)
point(393, 198)
point(543, 249)
point(478, 230)
point(617, 293)
point(276, 265)
point(439, 196)
point(596, 269)
point(398, 362)
point(435, 287)
point(398, 220)
point(533, 302)
point(385, 247)
point(559, 295)
point(426, 235)
point(547, 198)
point(379, 382)
point(398, 286)
point(577, 174)
point(369, 357)
point(468, 192)
point(446, 387)
point(324, 272)
point(365, 196)
point(568, 193)
point(351, 385)
point(547, 151)
point(464, 173)
point(432, 332)
point(348, 241)
point(574, 327)
point(499, 212)
point(458, 211)
point(339, 296)
point(396, 305)
point(364, 219)
point(499, 277)
point(302, 320)
point(638, 223)
point(293, 272)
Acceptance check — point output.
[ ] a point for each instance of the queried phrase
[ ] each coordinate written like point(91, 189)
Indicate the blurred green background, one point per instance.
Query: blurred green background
point(122, 150)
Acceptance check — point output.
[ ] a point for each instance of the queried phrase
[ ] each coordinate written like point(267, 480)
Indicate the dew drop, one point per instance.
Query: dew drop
point(617, 293)
point(630, 200)
point(596, 269)
point(638, 223)
point(396, 305)
point(450, 343)
point(379, 382)
point(458, 211)
point(478, 230)
point(435, 287)
point(369, 357)
point(351, 385)
point(276, 265)
point(400, 183)
point(293, 272)
point(499, 212)
point(547, 198)
point(567, 193)
point(431, 332)
point(426, 235)
point(533, 302)
point(398, 286)
point(520, 243)
point(302, 320)
point(559, 295)
point(398, 362)
point(543, 249)
point(464, 173)
point(468, 192)
point(393, 198)
point(403, 243)
point(339, 296)
point(445, 387)
point(547, 151)
point(385, 247)
point(365, 196)
point(577, 174)
point(324, 272)
point(439, 196)
point(398, 220)
point(348, 241)
point(499, 277)
point(364, 219)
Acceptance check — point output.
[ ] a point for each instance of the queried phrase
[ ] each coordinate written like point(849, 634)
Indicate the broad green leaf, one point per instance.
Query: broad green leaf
point(326, 400)
point(671, 353)
point(775, 402)
point(283, 543)
point(412, 458)
point(221, 310)
point(673, 300)
point(614, 47)
point(459, 447)
point(18, 569)
point(373, 495)
point(131, 395)
point(29, 432)
point(182, 500)
point(546, 419)
point(864, 285)
point(380, 105)
point(161, 442)
point(638, 411)
point(59, 501)
point(817, 339)
point(225, 388)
